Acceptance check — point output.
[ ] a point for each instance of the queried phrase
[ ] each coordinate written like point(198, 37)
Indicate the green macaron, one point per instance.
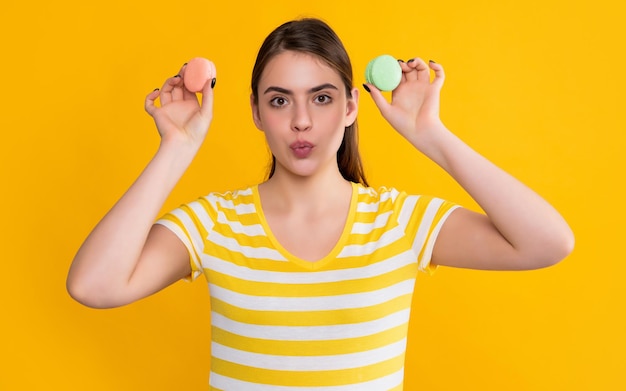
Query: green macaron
point(384, 72)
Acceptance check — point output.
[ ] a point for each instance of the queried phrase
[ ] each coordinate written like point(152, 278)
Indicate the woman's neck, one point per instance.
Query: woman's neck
point(317, 192)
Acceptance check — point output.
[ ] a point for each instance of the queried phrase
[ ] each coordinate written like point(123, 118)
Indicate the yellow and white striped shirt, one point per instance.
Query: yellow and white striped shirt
point(283, 323)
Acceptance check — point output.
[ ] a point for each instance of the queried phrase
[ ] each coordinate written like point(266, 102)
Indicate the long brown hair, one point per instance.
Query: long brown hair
point(315, 37)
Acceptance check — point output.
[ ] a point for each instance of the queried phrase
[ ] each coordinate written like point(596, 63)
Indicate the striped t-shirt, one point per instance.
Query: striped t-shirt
point(282, 323)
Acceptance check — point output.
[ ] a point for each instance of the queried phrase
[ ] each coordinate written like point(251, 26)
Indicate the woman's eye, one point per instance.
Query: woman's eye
point(323, 99)
point(278, 101)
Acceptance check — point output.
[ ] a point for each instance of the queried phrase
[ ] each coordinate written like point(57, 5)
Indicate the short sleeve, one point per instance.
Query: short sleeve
point(191, 224)
point(424, 217)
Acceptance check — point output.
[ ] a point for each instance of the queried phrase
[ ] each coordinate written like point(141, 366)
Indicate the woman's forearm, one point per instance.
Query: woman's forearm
point(529, 223)
point(106, 260)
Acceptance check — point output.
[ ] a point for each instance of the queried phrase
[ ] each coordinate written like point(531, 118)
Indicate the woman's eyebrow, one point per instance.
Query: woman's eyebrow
point(324, 86)
point(289, 92)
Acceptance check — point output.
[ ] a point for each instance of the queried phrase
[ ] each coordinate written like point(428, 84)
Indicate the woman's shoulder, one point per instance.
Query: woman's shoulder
point(232, 194)
point(393, 198)
point(379, 193)
point(228, 198)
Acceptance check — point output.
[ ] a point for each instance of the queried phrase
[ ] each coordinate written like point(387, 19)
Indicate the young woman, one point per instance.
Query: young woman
point(311, 272)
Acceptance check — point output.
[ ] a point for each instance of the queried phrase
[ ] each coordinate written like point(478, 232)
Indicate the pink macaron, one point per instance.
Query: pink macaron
point(197, 72)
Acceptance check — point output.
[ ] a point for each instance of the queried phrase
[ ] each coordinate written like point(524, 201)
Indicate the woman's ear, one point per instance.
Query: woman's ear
point(256, 117)
point(352, 107)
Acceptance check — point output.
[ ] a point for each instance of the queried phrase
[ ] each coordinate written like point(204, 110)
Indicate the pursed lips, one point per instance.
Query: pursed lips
point(300, 144)
point(301, 148)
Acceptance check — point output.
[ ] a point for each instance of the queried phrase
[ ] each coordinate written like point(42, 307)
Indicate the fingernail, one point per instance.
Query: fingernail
point(432, 61)
point(184, 64)
point(400, 60)
point(213, 82)
point(156, 89)
point(177, 76)
point(411, 60)
point(366, 88)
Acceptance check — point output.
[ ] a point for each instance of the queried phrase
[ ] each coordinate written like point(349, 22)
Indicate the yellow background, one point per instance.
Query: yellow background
point(536, 86)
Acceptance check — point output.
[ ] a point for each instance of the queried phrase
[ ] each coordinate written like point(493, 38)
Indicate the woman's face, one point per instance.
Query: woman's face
point(303, 110)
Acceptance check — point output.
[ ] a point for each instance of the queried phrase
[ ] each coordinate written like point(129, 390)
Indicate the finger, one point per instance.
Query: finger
point(377, 96)
point(149, 103)
point(181, 71)
point(168, 87)
point(179, 87)
point(422, 72)
point(404, 69)
point(207, 98)
point(408, 70)
point(207, 92)
point(440, 75)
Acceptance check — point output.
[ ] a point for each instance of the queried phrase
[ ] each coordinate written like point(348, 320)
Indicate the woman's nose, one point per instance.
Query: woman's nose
point(301, 119)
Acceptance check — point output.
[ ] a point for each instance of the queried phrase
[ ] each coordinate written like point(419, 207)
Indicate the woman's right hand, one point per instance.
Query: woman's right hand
point(180, 117)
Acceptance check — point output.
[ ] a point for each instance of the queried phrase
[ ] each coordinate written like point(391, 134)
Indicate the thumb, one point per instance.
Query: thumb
point(378, 97)
point(207, 98)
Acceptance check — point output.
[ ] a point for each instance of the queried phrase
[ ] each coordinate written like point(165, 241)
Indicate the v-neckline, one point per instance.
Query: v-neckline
point(328, 258)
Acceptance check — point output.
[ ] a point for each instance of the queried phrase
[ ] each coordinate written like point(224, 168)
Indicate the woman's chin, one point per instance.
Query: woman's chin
point(301, 168)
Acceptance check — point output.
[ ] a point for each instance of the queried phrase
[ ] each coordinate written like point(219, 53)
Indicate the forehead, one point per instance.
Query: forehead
point(291, 68)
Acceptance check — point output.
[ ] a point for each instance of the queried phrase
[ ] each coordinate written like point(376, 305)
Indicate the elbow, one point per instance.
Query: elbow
point(88, 294)
point(89, 287)
point(564, 246)
point(556, 250)
point(82, 294)
point(568, 245)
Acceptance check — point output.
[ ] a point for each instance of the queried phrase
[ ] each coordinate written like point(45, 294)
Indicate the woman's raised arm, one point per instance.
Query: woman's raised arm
point(519, 229)
point(126, 257)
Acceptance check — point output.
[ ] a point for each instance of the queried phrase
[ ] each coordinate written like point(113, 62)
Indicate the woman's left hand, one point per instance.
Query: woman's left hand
point(414, 106)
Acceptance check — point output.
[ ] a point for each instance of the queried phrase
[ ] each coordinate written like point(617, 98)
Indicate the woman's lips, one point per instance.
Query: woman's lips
point(301, 149)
